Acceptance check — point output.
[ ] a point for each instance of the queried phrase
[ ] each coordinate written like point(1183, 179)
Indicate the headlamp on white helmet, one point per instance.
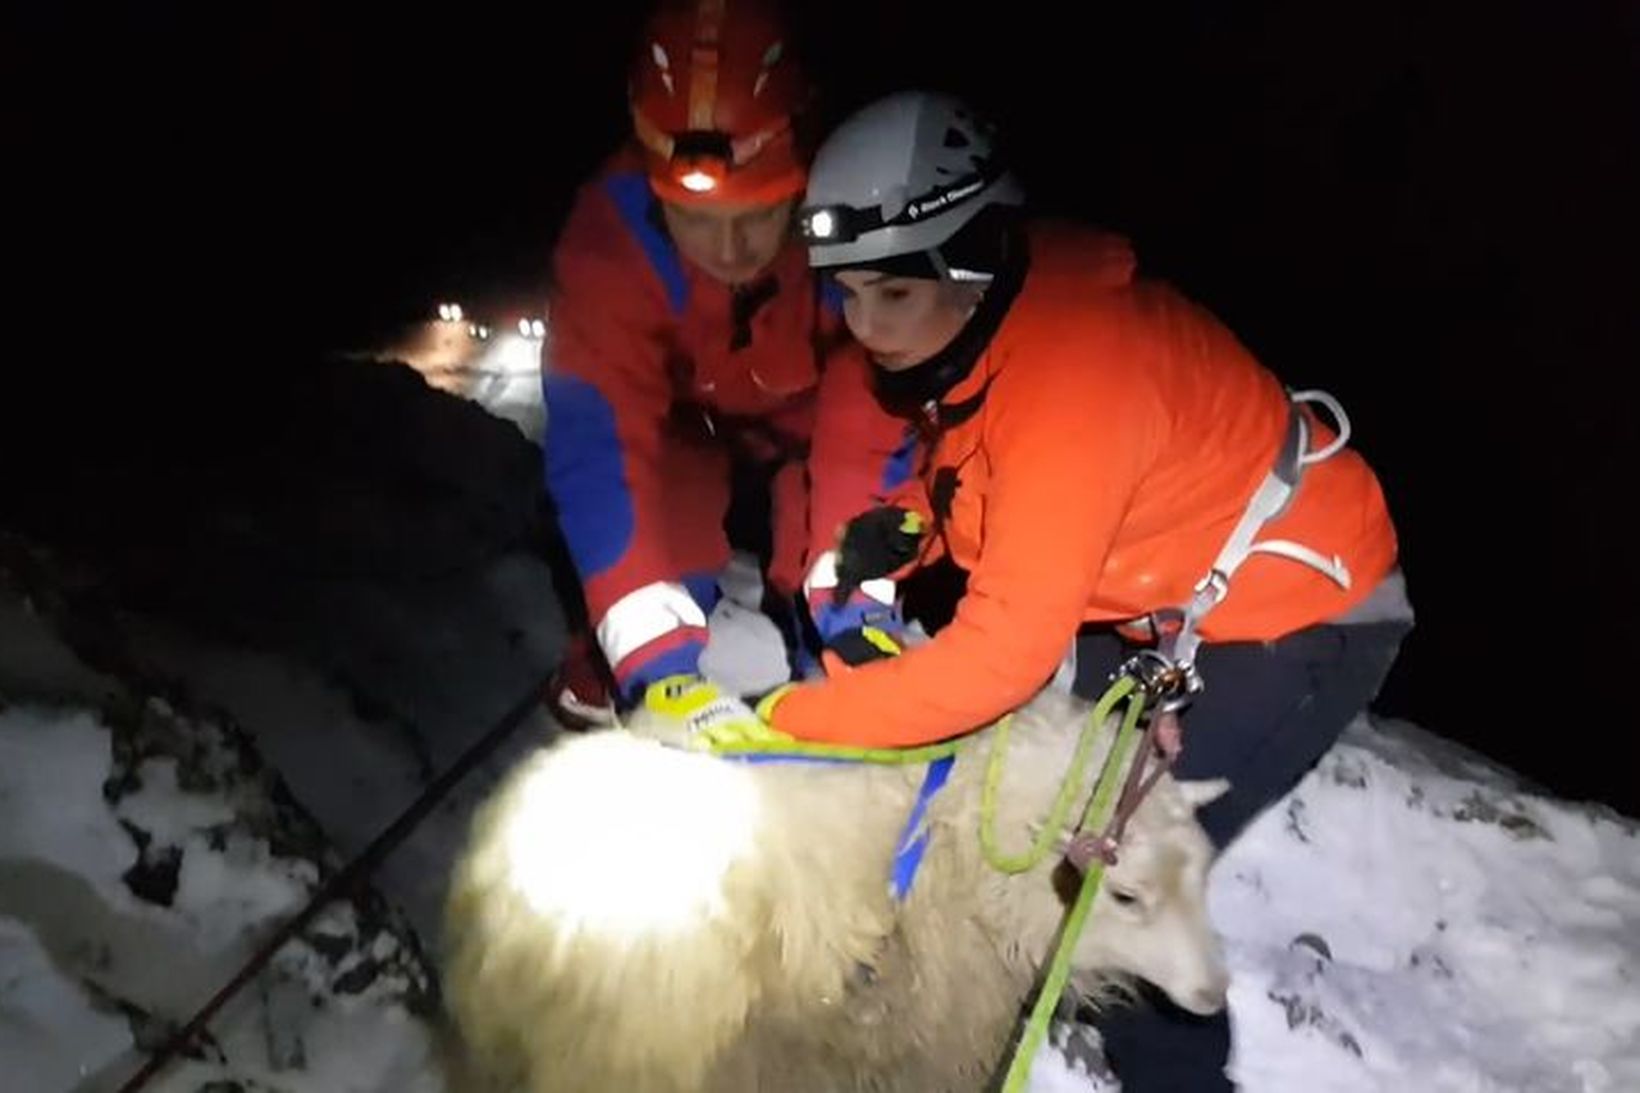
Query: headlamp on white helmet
point(894, 187)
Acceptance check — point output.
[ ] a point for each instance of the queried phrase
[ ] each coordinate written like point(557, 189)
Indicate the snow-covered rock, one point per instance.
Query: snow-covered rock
point(145, 854)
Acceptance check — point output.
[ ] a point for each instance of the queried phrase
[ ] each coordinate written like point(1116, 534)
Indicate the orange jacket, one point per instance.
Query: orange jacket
point(1121, 431)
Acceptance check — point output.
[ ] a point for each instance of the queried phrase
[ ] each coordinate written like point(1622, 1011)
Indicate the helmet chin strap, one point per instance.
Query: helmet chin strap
point(956, 274)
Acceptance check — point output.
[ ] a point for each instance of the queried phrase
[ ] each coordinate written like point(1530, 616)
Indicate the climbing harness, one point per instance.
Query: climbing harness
point(1173, 661)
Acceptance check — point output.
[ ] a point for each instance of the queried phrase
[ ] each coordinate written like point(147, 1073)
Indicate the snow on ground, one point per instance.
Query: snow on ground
point(1412, 918)
point(143, 857)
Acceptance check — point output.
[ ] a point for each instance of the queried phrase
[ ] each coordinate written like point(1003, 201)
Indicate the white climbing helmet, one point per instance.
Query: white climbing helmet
point(902, 177)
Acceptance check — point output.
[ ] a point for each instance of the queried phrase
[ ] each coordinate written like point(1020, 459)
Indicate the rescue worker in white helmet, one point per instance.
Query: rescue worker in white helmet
point(1115, 472)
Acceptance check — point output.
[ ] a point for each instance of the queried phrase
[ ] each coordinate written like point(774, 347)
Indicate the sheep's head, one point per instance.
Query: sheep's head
point(1149, 920)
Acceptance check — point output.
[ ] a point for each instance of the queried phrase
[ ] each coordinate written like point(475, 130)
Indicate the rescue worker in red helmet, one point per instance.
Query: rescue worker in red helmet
point(688, 344)
point(1115, 472)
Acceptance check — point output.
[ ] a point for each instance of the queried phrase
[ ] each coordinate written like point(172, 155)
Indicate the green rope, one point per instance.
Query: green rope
point(1069, 788)
point(1095, 818)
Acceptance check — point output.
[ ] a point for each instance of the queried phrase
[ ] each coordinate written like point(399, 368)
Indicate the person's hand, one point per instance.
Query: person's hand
point(861, 645)
point(850, 595)
point(698, 714)
point(873, 545)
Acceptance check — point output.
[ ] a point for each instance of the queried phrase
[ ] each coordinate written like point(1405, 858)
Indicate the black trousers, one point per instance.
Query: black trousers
point(1268, 713)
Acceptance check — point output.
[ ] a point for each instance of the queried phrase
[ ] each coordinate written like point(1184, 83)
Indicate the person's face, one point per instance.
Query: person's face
point(733, 243)
point(902, 321)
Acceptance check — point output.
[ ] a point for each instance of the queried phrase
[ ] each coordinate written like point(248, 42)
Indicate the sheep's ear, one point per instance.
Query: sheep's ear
point(1204, 791)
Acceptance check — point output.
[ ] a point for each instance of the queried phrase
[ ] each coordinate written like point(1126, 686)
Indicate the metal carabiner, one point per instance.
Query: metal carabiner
point(1169, 685)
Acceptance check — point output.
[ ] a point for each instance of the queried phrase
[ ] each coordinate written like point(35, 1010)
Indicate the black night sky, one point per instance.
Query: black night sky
point(1425, 208)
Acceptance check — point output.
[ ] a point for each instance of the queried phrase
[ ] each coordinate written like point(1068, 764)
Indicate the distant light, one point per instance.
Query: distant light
point(512, 355)
point(483, 332)
point(698, 182)
point(444, 312)
point(455, 313)
point(538, 328)
point(524, 328)
point(822, 224)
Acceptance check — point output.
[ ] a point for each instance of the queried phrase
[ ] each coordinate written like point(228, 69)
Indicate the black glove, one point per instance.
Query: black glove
point(875, 544)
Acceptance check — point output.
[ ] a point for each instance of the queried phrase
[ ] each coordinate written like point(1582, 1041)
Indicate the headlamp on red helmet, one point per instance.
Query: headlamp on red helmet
point(701, 161)
point(713, 93)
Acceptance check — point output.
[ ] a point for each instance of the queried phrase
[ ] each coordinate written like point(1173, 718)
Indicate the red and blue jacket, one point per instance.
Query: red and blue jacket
point(654, 372)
